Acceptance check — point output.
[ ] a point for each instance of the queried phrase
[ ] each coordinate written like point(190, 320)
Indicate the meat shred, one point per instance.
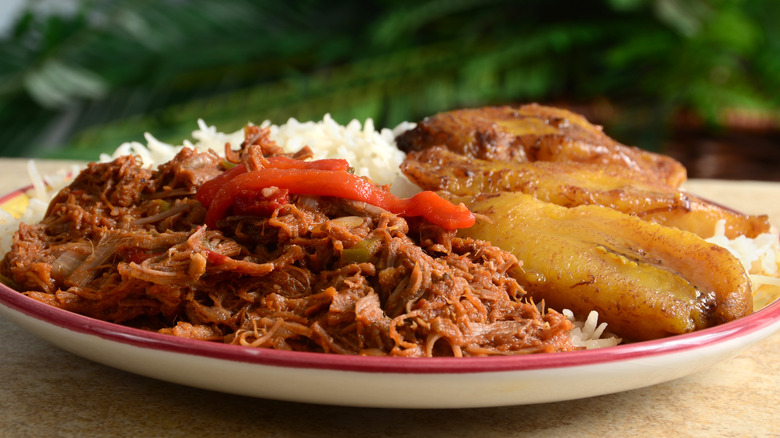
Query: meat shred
point(129, 245)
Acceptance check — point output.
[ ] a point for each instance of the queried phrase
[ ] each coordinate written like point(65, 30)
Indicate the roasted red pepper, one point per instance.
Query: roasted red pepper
point(210, 188)
point(337, 183)
point(282, 162)
point(254, 203)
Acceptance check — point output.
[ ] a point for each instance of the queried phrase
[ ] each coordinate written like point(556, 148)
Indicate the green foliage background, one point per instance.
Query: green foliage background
point(73, 85)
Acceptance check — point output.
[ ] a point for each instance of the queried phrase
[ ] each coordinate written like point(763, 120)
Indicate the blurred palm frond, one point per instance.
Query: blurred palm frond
point(74, 85)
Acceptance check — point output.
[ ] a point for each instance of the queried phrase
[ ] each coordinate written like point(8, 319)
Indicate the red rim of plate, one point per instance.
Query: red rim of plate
point(438, 365)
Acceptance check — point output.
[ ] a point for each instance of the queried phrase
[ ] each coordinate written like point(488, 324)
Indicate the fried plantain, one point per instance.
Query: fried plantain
point(534, 133)
point(645, 280)
point(570, 184)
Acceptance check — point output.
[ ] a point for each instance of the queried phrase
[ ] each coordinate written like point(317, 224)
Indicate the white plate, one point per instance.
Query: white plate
point(383, 381)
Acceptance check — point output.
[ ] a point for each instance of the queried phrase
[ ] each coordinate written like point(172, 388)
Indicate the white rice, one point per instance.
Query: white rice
point(373, 154)
point(588, 333)
point(759, 255)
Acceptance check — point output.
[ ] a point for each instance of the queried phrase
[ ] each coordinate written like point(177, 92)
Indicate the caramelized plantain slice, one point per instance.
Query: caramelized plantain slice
point(534, 133)
point(570, 184)
point(645, 280)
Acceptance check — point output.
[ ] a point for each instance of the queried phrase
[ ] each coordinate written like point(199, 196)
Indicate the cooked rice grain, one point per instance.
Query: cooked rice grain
point(372, 153)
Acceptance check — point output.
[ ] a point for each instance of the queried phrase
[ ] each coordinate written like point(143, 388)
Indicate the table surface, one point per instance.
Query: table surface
point(45, 391)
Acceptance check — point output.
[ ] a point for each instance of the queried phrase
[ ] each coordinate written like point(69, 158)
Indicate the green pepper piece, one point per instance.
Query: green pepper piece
point(362, 252)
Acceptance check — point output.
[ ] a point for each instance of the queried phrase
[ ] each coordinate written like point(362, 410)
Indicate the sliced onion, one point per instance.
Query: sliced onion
point(162, 215)
point(70, 260)
point(104, 250)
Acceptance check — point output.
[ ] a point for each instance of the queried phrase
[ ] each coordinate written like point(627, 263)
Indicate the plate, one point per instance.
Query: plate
point(386, 382)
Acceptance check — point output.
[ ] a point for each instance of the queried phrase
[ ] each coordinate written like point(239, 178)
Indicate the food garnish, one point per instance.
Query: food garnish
point(247, 193)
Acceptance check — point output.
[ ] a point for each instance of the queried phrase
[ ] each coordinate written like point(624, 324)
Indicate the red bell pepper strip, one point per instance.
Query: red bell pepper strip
point(210, 188)
point(282, 162)
point(252, 203)
point(340, 184)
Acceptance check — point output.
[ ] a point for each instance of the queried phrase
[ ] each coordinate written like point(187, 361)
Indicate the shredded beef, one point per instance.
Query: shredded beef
point(128, 245)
